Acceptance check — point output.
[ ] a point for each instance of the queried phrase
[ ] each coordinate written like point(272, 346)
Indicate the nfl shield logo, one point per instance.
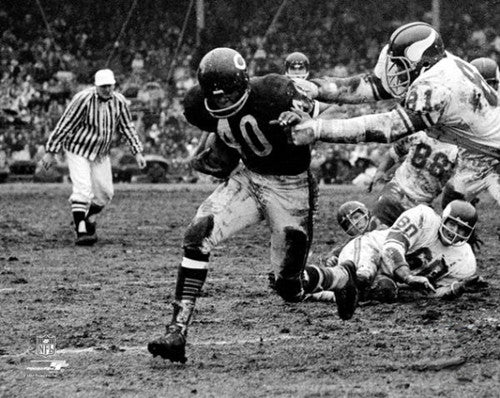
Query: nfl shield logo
point(45, 345)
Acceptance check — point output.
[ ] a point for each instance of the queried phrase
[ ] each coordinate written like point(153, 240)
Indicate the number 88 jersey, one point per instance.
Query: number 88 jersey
point(428, 164)
point(264, 148)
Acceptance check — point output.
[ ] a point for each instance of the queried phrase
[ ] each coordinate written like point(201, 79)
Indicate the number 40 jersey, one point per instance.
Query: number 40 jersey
point(264, 148)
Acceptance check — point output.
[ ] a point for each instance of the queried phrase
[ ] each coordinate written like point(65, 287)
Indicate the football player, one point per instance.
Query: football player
point(422, 250)
point(476, 172)
point(297, 66)
point(442, 94)
point(265, 178)
point(355, 219)
point(297, 69)
point(426, 164)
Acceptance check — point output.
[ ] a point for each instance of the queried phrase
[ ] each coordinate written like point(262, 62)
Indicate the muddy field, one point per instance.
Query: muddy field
point(103, 304)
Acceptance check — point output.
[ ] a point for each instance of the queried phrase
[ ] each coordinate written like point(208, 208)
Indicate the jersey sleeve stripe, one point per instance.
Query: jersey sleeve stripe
point(427, 120)
point(405, 118)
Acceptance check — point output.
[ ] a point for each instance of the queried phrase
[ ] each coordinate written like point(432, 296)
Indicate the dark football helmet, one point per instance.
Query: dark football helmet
point(353, 217)
point(488, 69)
point(224, 81)
point(413, 48)
point(297, 66)
point(457, 223)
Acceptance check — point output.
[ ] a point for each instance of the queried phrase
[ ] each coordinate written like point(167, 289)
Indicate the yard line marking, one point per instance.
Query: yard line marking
point(27, 287)
point(202, 343)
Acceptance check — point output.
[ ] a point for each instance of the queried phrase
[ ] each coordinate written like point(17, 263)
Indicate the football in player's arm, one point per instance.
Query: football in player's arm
point(272, 183)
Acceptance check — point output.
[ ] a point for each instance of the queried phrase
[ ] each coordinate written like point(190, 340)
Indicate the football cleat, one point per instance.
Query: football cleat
point(91, 227)
point(290, 290)
point(172, 346)
point(348, 296)
point(85, 239)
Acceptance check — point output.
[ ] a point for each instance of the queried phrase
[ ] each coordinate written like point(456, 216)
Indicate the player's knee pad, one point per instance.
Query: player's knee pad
point(290, 290)
point(199, 229)
point(296, 246)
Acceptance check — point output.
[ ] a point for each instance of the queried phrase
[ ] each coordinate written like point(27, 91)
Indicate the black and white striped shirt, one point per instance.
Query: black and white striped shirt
point(88, 123)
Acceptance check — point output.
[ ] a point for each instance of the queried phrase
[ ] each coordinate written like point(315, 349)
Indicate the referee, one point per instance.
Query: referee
point(85, 132)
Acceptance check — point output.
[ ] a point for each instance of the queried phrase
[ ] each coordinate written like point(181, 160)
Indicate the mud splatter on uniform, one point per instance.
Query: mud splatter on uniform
point(273, 183)
point(427, 166)
point(416, 233)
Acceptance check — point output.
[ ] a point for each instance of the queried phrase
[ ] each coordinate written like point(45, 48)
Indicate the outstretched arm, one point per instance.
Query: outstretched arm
point(381, 127)
point(350, 90)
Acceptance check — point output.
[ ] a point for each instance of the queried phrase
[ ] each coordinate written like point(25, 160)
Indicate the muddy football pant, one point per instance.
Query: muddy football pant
point(286, 203)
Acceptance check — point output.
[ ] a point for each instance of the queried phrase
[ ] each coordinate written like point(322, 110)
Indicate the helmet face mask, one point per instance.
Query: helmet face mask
point(224, 81)
point(223, 105)
point(413, 48)
point(353, 217)
point(398, 72)
point(457, 224)
point(297, 66)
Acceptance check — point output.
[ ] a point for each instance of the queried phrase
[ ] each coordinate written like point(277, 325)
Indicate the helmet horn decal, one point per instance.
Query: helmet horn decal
point(415, 51)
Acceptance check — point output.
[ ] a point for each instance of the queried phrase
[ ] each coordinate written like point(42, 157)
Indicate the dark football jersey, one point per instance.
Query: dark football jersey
point(264, 148)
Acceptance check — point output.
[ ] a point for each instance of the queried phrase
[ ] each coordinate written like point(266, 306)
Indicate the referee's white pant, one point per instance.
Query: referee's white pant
point(92, 180)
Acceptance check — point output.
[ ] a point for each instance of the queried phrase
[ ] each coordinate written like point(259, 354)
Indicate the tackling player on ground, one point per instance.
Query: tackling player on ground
point(422, 249)
point(266, 178)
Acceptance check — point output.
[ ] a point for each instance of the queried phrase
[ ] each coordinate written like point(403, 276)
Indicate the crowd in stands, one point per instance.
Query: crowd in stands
point(47, 55)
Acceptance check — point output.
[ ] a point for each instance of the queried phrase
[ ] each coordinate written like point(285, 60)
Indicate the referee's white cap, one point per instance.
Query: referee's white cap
point(104, 77)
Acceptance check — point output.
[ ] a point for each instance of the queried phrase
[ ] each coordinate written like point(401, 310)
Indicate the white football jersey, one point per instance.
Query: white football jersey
point(427, 165)
point(476, 162)
point(459, 106)
point(416, 233)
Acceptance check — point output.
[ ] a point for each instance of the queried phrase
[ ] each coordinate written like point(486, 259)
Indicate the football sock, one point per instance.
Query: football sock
point(191, 276)
point(334, 277)
point(313, 279)
point(94, 209)
point(79, 211)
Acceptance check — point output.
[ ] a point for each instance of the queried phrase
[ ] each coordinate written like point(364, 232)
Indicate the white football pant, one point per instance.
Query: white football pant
point(92, 180)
